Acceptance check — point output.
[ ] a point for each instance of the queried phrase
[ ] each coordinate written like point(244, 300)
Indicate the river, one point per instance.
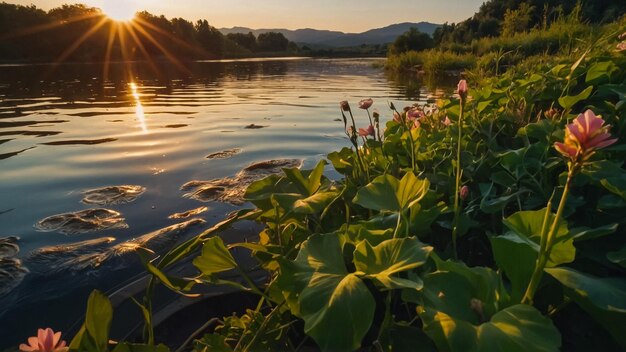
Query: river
point(63, 131)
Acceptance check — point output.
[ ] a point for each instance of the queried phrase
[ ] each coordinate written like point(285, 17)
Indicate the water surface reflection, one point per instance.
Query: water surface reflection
point(65, 132)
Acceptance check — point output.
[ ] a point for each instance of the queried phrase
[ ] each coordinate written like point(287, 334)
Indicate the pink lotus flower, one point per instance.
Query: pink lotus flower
point(414, 114)
point(45, 341)
point(369, 131)
point(621, 46)
point(446, 121)
point(461, 88)
point(366, 103)
point(583, 136)
point(417, 124)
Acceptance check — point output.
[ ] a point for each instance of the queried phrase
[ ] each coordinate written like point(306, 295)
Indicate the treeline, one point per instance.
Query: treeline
point(507, 17)
point(81, 33)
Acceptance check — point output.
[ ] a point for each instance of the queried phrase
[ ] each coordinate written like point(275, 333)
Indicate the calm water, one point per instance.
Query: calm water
point(62, 131)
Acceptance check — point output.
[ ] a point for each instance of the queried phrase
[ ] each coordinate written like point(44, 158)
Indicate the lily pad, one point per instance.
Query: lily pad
point(232, 189)
point(113, 195)
point(84, 221)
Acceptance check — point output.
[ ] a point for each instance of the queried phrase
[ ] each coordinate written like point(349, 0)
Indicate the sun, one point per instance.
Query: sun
point(119, 10)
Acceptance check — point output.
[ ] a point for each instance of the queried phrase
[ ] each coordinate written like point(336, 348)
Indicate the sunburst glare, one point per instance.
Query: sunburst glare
point(119, 10)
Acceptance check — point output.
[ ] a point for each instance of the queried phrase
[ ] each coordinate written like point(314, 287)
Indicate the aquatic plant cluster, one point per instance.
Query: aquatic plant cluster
point(491, 221)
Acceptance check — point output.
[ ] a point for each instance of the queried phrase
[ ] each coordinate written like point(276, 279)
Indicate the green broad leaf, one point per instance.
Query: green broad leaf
point(264, 188)
point(315, 203)
point(388, 193)
point(609, 174)
point(517, 328)
point(336, 306)
point(390, 257)
point(540, 130)
point(603, 298)
point(516, 256)
point(586, 233)
point(128, 347)
point(600, 72)
point(308, 181)
point(98, 320)
point(178, 285)
point(455, 288)
point(618, 257)
point(480, 107)
point(337, 311)
point(529, 224)
point(94, 333)
point(568, 102)
point(615, 185)
point(215, 257)
point(343, 161)
point(295, 176)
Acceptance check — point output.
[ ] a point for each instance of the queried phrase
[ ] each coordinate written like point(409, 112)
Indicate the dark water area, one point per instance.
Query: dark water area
point(69, 141)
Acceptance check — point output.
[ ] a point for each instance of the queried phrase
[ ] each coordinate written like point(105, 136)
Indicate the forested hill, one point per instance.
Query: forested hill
point(81, 33)
point(340, 39)
point(497, 17)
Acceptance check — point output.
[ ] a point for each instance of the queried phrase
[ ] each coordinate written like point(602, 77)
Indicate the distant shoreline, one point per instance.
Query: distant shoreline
point(165, 61)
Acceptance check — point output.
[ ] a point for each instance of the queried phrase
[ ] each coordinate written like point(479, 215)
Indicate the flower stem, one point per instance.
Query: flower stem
point(457, 187)
point(548, 241)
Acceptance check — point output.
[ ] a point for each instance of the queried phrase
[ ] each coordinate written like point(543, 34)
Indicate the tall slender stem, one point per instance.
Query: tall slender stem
point(457, 187)
point(544, 253)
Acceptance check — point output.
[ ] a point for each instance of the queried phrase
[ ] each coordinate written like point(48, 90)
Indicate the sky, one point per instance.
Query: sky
point(341, 15)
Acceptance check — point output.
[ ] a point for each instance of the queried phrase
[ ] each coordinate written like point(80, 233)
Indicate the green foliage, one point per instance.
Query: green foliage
point(363, 261)
point(411, 40)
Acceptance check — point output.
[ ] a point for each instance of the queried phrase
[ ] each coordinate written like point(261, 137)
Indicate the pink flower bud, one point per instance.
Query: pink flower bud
point(461, 88)
point(446, 121)
point(464, 192)
point(345, 106)
point(414, 114)
point(369, 131)
point(366, 103)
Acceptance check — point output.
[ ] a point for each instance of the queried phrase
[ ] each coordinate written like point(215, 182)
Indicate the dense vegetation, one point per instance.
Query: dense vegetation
point(504, 33)
point(490, 221)
point(82, 33)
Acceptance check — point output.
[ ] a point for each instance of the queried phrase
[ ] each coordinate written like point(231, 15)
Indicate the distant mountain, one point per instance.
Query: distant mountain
point(340, 39)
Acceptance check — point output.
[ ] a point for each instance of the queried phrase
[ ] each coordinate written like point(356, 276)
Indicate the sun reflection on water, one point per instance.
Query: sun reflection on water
point(141, 117)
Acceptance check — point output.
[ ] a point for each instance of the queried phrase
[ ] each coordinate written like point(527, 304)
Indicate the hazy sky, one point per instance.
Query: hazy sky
point(343, 15)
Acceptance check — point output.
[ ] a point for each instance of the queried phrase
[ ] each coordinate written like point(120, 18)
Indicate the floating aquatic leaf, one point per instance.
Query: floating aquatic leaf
point(254, 127)
point(83, 221)
point(11, 154)
point(232, 189)
point(75, 256)
point(81, 141)
point(188, 213)
point(11, 270)
point(178, 125)
point(113, 194)
point(224, 154)
point(90, 254)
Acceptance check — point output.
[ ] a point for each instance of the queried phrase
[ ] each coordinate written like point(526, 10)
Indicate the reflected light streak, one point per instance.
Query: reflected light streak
point(141, 117)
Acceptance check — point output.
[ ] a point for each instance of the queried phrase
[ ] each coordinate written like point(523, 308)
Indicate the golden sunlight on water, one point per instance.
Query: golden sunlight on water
point(141, 117)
